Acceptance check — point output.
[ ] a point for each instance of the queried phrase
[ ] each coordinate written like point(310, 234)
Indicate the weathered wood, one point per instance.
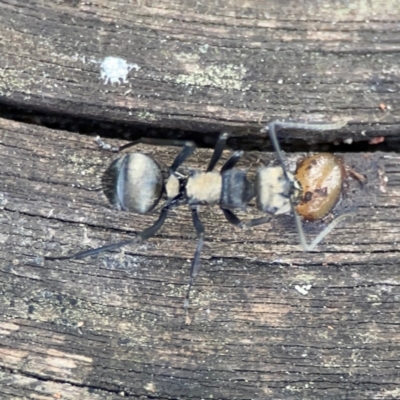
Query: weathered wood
point(208, 66)
point(114, 324)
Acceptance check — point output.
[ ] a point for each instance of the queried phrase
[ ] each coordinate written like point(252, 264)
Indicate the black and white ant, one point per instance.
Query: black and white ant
point(135, 182)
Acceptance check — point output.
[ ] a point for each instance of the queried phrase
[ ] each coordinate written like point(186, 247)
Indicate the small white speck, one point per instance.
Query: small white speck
point(115, 70)
point(348, 141)
point(280, 81)
point(304, 289)
point(203, 49)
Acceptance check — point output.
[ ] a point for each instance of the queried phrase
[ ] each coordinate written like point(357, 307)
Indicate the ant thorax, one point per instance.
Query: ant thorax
point(274, 190)
point(204, 187)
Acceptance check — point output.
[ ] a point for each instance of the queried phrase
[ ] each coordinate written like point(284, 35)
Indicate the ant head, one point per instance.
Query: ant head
point(133, 182)
point(304, 178)
point(321, 177)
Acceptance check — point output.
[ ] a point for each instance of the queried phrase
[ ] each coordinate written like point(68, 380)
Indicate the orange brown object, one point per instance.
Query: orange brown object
point(321, 177)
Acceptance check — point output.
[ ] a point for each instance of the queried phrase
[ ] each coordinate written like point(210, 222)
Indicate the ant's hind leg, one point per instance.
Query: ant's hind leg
point(235, 220)
point(141, 237)
point(232, 218)
point(194, 269)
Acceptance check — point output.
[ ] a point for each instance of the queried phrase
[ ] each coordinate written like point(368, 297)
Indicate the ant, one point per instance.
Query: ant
point(135, 182)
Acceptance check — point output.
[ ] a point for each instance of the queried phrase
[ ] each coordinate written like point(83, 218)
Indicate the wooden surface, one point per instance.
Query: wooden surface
point(208, 66)
point(115, 323)
point(266, 320)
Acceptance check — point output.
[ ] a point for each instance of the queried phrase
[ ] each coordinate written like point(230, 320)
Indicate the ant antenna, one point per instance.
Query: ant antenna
point(274, 140)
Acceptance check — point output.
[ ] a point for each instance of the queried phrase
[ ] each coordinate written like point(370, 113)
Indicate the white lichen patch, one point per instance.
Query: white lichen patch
point(116, 70)
point(203, 49)
point(228, 76)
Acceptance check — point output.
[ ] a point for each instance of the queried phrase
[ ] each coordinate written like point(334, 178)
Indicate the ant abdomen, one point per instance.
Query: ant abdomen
point(133, 182)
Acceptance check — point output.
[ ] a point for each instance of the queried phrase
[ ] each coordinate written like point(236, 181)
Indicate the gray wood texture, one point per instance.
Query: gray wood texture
point(266, 320)
point(207, 66)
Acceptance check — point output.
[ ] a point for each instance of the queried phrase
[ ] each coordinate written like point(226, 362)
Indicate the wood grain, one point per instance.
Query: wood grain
point(114, 324)
point(208, 67)
point(266, 320)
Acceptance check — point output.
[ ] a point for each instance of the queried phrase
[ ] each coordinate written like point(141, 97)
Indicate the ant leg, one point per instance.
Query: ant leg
point(233, 219)
point(146, 234)
point(194, 269)
point(296, 125)
point(186, 152)
point(219, 148)
point(232, 161)
point(318, 239)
